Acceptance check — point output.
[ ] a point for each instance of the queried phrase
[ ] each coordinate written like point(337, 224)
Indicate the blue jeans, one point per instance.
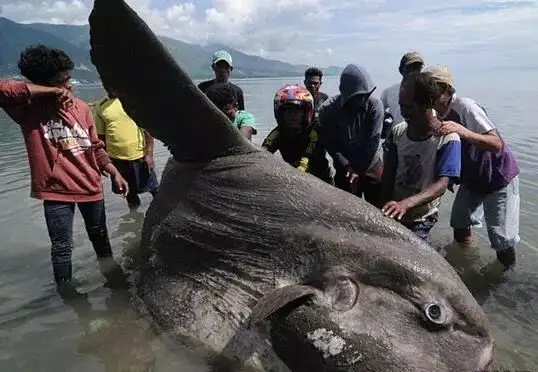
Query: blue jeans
point(422, 228)
point(500, 209)
point(59, 219)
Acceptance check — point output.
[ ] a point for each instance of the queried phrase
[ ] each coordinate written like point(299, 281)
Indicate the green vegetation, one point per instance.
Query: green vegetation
point(74, 40)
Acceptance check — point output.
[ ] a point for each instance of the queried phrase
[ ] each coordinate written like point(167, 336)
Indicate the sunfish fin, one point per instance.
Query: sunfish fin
point(277, 299)
point(154, 90)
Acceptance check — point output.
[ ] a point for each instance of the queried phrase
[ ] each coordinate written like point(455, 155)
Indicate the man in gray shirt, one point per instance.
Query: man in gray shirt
point(350, 130)
point(410, 62)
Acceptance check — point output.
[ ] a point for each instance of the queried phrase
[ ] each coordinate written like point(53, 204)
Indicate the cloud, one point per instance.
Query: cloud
point(370, 32)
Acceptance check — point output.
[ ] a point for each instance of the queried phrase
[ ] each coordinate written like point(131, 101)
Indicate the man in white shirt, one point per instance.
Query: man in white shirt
point(410, 62)
point(419, 166)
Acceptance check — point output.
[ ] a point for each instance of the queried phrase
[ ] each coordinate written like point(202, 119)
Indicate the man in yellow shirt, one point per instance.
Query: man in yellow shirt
point(130, 147)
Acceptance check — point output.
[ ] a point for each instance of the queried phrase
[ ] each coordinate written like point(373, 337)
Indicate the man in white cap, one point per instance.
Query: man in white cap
point(489, 172)
point(222, 67)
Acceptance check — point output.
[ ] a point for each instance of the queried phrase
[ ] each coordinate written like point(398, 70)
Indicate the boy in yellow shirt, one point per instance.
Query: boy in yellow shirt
point(130, 147)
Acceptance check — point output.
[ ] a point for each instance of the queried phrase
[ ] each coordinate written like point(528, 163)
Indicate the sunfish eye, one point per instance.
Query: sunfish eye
point(434, 314)
point(343, 293)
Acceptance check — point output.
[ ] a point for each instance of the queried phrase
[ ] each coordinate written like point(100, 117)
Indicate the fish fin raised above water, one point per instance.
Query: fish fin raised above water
point(278, 299)
point(154, 90)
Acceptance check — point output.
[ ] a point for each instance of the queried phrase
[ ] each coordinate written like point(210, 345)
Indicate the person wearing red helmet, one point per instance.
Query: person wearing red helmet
point(295, 136)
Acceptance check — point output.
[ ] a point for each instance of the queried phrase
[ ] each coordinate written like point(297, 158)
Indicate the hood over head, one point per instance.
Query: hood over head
point(355, 80)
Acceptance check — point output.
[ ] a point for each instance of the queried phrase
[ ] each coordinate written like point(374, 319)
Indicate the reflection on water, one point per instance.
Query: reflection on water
point(480, 277)
point(115, 336)
point(100, 329)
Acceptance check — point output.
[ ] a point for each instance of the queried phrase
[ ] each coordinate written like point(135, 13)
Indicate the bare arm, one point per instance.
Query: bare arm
point(480, 131)
point(448, 166)
point(488, 141)
point(247, 131)
point(150, 144)
point(103, 160)
point(430, 193)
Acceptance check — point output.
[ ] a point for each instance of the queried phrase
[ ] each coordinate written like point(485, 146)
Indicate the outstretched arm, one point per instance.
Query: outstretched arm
point(103, 160)
point(478, 129)
point(448, 167)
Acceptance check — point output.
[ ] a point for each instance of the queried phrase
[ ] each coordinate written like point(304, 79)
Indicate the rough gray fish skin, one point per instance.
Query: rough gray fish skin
point(267, 266)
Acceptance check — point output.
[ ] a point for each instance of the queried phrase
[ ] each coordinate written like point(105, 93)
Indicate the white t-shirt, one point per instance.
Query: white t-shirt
point(420, 164)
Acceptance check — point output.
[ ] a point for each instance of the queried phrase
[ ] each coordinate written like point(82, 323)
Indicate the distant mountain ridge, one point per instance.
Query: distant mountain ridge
point(74, 40)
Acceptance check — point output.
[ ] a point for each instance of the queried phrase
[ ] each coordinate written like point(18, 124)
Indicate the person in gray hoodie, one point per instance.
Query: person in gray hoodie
point(350, 130)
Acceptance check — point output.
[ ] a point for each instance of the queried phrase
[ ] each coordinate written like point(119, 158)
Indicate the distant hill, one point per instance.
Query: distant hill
point(74, 40)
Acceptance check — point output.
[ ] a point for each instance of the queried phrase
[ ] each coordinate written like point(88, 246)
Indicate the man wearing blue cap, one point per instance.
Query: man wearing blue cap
point(222, 66)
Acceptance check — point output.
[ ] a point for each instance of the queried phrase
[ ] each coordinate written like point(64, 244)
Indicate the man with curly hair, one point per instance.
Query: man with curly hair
point(66, 157)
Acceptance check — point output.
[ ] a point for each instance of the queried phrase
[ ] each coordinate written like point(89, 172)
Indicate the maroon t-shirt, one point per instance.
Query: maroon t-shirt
point(64, 152)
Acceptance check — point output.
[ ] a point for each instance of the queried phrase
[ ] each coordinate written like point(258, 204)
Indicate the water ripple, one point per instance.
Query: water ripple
point(38, 329)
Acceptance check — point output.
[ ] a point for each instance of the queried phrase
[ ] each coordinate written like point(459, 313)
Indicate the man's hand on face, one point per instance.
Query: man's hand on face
point(64, 96)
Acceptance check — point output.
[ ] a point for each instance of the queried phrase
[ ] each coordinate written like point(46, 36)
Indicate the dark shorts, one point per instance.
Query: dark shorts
point(422, 229)
point(137, 174)
point(370, 190)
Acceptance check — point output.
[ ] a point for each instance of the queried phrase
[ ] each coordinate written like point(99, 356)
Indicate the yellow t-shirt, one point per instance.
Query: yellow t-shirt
point(124, 139)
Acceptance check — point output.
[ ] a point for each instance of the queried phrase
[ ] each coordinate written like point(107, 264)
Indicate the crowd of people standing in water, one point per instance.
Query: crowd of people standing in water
point(401, 152)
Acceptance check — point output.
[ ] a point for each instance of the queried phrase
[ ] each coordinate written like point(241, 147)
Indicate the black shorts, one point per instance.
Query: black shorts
point(140, 178)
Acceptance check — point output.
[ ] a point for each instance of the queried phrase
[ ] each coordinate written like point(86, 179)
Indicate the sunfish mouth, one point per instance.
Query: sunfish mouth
point(486, 359)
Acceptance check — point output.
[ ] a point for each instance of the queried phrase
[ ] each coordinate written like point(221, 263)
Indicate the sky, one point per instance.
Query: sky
point(478, 34)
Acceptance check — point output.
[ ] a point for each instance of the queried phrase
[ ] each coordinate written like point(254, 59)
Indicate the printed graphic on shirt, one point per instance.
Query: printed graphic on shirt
point(412, 174)
point(420, 164)
point(75, 139)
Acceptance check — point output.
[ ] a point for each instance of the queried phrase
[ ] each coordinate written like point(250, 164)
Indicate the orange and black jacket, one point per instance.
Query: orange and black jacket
point(303, 151)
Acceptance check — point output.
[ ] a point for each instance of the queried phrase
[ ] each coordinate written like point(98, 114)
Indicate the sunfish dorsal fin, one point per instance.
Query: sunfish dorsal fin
point(154, 90)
